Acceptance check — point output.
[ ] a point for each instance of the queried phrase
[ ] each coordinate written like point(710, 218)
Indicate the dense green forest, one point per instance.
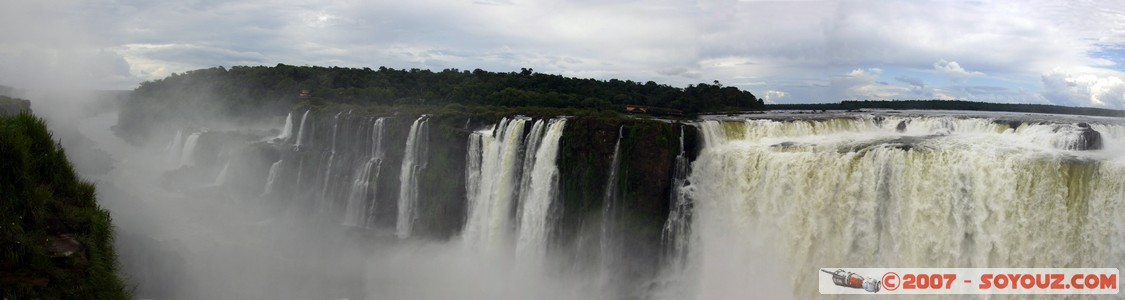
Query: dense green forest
point(250, 92)
point(952, 105)
point(55, 242)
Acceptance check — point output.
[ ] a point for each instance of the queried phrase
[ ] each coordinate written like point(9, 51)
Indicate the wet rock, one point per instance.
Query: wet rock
point(1090, 139)
point(901, 126)
point(64, 247)
point(1081, 137)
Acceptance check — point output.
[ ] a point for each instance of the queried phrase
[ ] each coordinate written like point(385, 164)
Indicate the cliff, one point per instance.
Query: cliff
point(55, 242)
point(12, 106)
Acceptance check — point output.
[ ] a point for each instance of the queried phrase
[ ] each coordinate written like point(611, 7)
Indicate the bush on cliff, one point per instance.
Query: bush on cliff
point(55, 242)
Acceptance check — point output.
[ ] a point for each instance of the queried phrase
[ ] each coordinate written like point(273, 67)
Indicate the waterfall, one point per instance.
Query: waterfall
point(610, 208)
point(301, 130)
point(530, 146)
point(359, 209)
point(324, 203)
point(489, 222)
point(941, 192)
point(286, 130)
point(175, 146)
point(219, 180)
point(535, 203)
point(188, 156)
point(676, 233)
point(271, 177)
point(408, 189)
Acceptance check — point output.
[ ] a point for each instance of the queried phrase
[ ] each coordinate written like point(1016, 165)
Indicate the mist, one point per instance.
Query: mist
point(182, 234)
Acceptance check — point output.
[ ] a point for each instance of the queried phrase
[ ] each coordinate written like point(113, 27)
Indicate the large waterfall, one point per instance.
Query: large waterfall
point(721, 207)
point(359, 211)
point(495, 184)
point(408, 190)
point(922, 191)
point(536, 200)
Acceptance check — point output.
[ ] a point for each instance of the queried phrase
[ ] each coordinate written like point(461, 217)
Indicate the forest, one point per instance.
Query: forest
point(247, 87)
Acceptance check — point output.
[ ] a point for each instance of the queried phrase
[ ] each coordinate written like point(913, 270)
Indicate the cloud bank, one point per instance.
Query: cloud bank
point(786, 51)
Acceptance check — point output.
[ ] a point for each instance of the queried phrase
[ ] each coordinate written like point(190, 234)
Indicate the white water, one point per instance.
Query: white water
point(531, 144)
point(946, 192)
point(325, 203)
point(359, 209)
point(535, 203)
point(272, 177)
point(175, 147)
point(609, 239)
point(488, 226)
point(676, 233)
point(287, 130)
point(222, 177)
point(408, 190)
point(301, 130)
point(188, 156)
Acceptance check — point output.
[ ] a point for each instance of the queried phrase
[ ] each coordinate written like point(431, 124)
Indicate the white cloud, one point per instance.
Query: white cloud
point(954, 70)
point(1088, 89)
point(772, 96)
point(804, 49)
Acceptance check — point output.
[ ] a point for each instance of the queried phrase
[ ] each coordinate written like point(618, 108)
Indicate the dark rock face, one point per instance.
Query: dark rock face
point(901, 126)
point(1084, 137)
point(64, 247)
point(1090, 139)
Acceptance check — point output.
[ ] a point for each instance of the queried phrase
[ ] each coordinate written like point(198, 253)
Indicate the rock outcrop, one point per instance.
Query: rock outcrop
point(13, 106)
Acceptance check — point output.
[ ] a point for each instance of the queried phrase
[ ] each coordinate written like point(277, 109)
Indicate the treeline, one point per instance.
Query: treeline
point(249, 87)
point(249, 93)
point(951, 105)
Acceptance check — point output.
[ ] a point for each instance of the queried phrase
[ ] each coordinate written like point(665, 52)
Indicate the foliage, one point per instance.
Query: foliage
point(265, 91)
point(41, 198)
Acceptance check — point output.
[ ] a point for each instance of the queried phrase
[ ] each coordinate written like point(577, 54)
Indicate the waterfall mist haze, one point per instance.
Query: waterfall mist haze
point(323, 201)
point(308, 204)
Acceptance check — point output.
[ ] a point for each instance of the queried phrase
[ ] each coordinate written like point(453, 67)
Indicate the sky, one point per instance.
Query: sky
point(1058, 52)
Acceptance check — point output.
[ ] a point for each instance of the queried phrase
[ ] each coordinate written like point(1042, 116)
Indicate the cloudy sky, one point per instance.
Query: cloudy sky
point(1070, 53)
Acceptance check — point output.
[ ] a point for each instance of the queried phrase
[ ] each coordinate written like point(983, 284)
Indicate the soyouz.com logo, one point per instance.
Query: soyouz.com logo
point(969, 280)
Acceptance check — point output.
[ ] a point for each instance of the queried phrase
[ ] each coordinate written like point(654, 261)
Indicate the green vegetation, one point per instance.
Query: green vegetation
point(55, 242)
point(952, 105)
point(249, 92)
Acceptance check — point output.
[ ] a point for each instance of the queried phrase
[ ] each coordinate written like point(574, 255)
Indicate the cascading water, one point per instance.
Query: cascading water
point(188, 156)
point(223, 173)
point(609, 239)
point(531, 144)
point(677, 231)
point(497, 182)
point(535, 203)
point(301, 129)
point(323, 202)
point(412, 163)
point(175, 146)
point(287, 130)
point(359, 209)
point(271, 177)
point(897, 192)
